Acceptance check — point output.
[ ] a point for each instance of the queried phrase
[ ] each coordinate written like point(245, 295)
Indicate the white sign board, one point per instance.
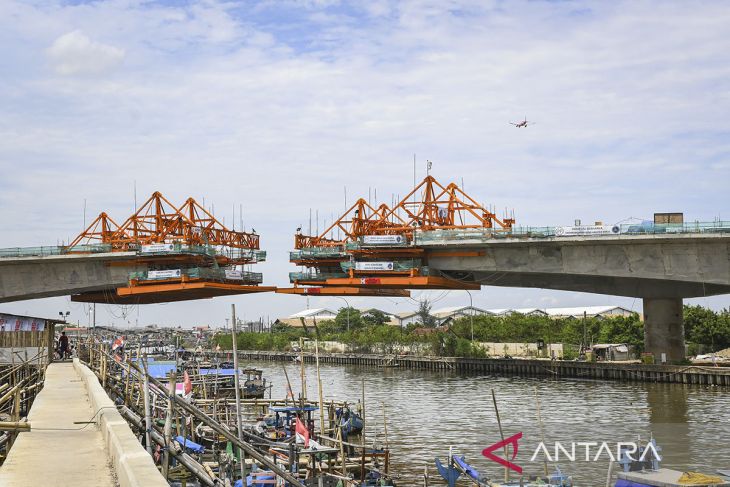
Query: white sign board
point(383, 239)
point(234, 275)
point(587, 230)
point(161, 247)
point(166, 274)
point(373, 266)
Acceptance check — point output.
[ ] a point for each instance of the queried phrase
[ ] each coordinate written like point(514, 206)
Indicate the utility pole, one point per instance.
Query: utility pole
point(237, 386)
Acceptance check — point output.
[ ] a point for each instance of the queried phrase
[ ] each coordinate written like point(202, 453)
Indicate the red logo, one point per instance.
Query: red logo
point(512, 440)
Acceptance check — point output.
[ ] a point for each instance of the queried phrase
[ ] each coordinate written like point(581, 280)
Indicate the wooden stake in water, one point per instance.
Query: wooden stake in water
point(501, 434)
point(290, 391)
point(301, 370)
point(542, 431)
point(236, 384)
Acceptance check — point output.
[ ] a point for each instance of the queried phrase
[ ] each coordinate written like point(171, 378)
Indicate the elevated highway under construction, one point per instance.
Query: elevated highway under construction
point(436, 237)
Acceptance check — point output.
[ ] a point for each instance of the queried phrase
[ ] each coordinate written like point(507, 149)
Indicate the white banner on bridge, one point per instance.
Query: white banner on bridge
point(587, 230)
point(160, 247)
point(234, 275)
point(21, 323)
point(373, 266)
point(383, 239)
point(166, 274)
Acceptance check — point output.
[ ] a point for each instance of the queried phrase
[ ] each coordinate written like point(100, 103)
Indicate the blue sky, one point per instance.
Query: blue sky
point(279, 105)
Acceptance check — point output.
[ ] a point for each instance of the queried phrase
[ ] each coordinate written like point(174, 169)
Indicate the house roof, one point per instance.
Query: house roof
point(452, 310)
point(366, 310)
point(308, 313)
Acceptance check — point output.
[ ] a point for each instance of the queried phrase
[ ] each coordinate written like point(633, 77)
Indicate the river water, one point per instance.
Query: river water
point(427, 412)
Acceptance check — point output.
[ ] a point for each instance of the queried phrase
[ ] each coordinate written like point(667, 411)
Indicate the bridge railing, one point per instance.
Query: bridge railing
point(594, 231)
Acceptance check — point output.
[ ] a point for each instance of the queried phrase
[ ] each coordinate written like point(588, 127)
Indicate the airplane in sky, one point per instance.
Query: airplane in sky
point(523, 123)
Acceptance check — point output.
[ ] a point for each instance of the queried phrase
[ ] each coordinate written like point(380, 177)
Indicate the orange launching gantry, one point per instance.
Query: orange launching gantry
point(181, 253)
point(383, 248)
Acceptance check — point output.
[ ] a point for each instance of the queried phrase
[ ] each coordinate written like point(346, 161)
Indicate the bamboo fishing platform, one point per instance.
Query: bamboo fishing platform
point(556, 369)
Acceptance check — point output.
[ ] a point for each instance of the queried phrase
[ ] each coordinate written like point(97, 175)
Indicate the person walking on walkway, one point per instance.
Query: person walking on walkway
point(63, 345)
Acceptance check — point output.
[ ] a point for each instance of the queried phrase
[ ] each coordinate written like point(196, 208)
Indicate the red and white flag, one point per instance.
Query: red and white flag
point(302, 433)
point(119, 342)
point(187, 384)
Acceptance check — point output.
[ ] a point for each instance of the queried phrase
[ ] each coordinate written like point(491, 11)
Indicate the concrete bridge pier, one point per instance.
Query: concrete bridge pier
point(664, 329)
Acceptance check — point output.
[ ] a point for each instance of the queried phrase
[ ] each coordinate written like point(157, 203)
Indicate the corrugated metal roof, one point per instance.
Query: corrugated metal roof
point(313, 312)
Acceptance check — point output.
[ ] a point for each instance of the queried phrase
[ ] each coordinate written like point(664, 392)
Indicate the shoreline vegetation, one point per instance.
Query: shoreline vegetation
point(705, 331)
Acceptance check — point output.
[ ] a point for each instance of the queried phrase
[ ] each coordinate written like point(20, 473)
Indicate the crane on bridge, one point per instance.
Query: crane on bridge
point(185, 253)
point(377, 248)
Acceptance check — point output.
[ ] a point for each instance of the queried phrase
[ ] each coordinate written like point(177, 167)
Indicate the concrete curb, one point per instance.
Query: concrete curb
point(133, 465)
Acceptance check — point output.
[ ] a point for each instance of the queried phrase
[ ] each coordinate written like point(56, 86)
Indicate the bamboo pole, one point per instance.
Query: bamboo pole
point(168, 426)
point(14, 426)
point(319, 387)
point(239, 423)
point(147, 418)
point(362, 433)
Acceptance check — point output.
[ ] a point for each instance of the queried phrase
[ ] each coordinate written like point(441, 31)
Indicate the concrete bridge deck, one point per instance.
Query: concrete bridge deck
point(57, 452)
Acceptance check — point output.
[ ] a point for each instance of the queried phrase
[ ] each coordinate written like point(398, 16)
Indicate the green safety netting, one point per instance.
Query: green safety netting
point(397, 265)
point(200, 273)
point(316, 253)
point(315, 276)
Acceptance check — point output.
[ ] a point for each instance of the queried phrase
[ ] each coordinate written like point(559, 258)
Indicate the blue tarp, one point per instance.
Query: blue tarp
point(629, 483)
point(250, 479)
point(160, 370)
point(190, 444)
point(291, 409)
point(224, 372)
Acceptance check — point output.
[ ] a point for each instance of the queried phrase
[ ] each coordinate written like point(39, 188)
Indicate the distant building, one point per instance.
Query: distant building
point(407, 318)
point(522, 311)
point(611, 351)
point(589, 312)
point(455, 312)
point(574, 312)
point(308, 317)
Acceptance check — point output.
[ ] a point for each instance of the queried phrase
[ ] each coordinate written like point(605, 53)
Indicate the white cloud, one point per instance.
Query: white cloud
point(75, 53)
point(262, 106)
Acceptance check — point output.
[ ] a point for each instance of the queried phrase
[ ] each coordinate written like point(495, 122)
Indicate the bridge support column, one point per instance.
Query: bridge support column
point(664, 329)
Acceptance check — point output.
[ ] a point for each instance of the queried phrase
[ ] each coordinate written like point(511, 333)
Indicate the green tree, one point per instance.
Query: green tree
point(424, 314)
point(374, 317)
point(348, 318)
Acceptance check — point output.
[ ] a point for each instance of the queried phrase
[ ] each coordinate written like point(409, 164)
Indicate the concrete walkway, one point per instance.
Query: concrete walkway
point(68, 455)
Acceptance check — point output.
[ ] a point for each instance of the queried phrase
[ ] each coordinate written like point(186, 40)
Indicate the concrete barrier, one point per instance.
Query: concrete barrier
point(133, 465)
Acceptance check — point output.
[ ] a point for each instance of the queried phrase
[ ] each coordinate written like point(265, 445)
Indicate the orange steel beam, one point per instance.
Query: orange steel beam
point(416, 282)
point(344, 291)
point(163, 293)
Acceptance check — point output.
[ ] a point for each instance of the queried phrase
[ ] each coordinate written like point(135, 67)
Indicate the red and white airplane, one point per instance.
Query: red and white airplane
point(523, 123)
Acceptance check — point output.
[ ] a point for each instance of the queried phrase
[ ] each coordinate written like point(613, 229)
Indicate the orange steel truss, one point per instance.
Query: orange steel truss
point(360, 219)
point(429, 206)
point(102, 229)
point(159, 221)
